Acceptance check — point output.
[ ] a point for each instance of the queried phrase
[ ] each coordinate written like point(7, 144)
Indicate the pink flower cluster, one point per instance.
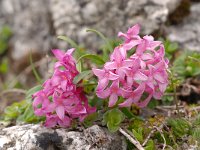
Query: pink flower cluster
point(136, 77)
point(60, 100)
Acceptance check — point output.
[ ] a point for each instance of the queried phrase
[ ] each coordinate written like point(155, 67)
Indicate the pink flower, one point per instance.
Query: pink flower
point(133, 96)
point(41, 104)
point(53, 120)
point(60, 100)
point(104, 77)
point(142, 74)
point(131, 37)
point(135, 73)
point(112, 92)
point(119, 62)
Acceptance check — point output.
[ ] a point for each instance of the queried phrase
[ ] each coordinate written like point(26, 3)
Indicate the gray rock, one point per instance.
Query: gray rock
point(30, 23)
point(37, 23)
point(187, 34)
point(37, 137)
point(71, 18)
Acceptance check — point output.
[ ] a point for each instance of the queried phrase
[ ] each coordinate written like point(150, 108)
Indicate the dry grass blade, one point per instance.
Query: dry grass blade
point(131, 139)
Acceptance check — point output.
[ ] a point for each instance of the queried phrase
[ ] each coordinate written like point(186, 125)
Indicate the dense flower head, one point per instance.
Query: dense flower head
point(136, 77)
point(61, 100)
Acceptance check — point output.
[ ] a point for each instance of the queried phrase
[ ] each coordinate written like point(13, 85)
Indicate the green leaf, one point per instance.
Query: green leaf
point(31, 91)
point(68, 40)
point(5, 33)
point(187, 65)
point(102, 36)
point(128, 113)
point(106, 117)
point(111, 127)
point(113, 118)
point(88, 121)
point(97, 102)
point(23, 111)
point(13, 111)
point(180, 126)
point(28, 115)
point(81, 75)
point(139, 134)
point(105, 53)
point(79, 66)
point(116, 116)
point(4, 65)
point(196, 133)
point(34, 70)
point(94, 58)
point(197, 121)
point(3, 46)
point(150, 145)
point(79, 50)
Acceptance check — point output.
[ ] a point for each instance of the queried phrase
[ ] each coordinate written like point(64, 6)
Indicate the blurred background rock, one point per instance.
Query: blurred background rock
point(36, 24)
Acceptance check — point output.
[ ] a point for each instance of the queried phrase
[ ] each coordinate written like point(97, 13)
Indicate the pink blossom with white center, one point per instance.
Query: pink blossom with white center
point(141, 76)
point(61, 100)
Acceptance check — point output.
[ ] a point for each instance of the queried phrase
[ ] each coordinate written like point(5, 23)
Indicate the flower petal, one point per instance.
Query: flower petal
point(59, 54)
point(129, 45)
point(141, 48)
point(126, 103)
point(127, 63)
point(111, 65)
point(112, 76)
point(102, 84)
point(51, 121)
point(60, 111)
point(159, 77)
point(112, 100)
point(133, 30)
point(145, 102)
point(70, 51)
point(103, 93)
point(162, 86)
point(99, 72)
point(120, 34)
point(139, 76)
point(65, 122)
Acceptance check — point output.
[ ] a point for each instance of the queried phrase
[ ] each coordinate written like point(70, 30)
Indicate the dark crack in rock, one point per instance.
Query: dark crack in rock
point(187, 34)
point(47, 140)
point(31, 137)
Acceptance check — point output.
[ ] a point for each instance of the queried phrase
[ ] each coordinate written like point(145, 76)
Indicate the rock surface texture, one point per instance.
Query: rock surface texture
point(187, 34)
point(30, 23)
point(37, 23)
point(35, 137)
point(73, 17)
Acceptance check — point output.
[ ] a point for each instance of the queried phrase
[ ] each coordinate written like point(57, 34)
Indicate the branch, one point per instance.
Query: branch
point(132, 140)
point(148, 137)
point(159, 129)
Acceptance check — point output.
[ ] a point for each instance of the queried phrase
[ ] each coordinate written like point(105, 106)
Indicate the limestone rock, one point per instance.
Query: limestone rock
point(37, 23)
point(36, 137)
point(30, 23)
point(73, 17)
point(187, 34)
